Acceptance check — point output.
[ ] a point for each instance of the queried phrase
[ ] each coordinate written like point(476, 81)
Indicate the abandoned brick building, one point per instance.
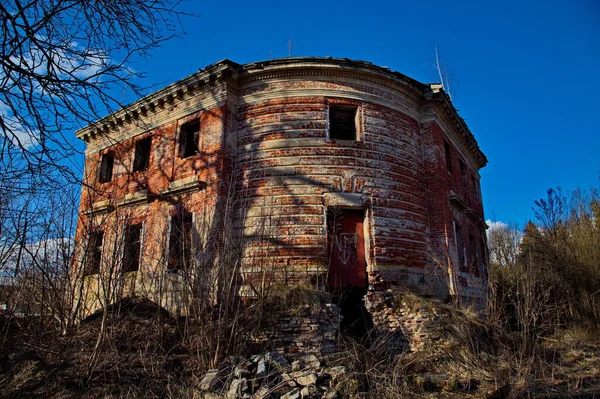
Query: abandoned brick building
point(333, 173)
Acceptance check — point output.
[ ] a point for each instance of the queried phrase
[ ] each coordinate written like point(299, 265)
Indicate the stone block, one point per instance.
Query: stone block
point(210, 380)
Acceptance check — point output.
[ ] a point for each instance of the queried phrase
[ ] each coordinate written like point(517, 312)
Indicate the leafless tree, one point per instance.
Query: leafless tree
point(503, 243)
point(65, 63)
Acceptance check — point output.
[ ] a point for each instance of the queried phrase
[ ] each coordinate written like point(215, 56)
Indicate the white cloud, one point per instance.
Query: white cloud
point(71, 63)
point(497, 225)
point(17, 134)
point(54, 254)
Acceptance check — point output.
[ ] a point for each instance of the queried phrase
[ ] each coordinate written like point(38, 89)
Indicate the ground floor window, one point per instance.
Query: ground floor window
point(132, 247)
point(180, 241)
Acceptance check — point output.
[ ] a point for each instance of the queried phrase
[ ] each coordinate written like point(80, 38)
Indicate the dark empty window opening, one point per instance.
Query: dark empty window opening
point(132, 247)
point(483, 255)
point(106, 168)
point(448, 155)
point(180, 241)
point(463, 173)
point(342, 122)
point(474, 187)
point(94, 252)
point(474, 256)
point(460, 247)
point(188, 139)
point(142, 154)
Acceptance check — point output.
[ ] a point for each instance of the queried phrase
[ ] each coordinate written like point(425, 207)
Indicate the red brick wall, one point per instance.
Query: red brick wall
point(268, 140)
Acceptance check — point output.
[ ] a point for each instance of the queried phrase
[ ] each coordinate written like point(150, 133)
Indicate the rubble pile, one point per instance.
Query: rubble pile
point(271, 376)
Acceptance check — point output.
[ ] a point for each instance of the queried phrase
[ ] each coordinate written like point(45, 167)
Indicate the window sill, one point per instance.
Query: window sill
point(184, 185)
point(134, 198)
point(99, 207)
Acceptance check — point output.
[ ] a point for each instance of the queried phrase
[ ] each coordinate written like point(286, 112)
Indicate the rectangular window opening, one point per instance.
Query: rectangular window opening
point(474, 187)
point(106, 167)
point(343, 122)
point(132, 248)
point(474, 256)
point(188, 139)
point(180, 241)
point(94, 253)
point(460, 247)
point(448, 155)
point(483, 255)
point(142, 154)
point(463, 173)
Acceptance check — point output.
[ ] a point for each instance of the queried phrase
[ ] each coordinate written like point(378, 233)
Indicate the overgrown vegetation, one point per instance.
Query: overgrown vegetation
point(538, 336)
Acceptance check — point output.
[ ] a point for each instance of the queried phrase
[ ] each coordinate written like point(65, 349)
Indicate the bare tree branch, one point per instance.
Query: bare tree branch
point(62, 63)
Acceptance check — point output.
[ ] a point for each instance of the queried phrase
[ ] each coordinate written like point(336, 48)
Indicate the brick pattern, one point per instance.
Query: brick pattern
point(416, 323)
point(265, 138)
point(308, 332)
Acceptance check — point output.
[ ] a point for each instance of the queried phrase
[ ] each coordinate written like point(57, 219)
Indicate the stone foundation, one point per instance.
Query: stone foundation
point(306, 333)
point(420, 321)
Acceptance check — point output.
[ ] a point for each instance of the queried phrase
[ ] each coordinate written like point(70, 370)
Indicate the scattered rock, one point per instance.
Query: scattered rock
point(262, 393)
point(210, 380)
point(305, 378)
point(331, 394)
point(293, 394)
point(310, 392)
point(288, 380)
point(261, 369)
point(238, 388)
point(306, 361)
point(274, 359)
point(241, 371)
point(336, 372)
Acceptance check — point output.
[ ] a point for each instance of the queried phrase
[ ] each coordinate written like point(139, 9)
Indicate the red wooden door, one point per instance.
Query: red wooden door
point(346, 242)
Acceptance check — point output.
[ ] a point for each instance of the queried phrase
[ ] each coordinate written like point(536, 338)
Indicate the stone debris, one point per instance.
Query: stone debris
point(306, 362)
point(293, 394)
point(261, 369)
point(311, 392)
point(304, 378)
point(209, 380)
point(270, 376)
point(276, 360)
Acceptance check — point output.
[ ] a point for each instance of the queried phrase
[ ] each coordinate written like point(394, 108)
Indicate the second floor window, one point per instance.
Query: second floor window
point(474, 187)
point(189, 137)
point(106, 168)
point(342, 122)
point(448, 154)
point(132, 248)
point(463, 174)
point(142, 154)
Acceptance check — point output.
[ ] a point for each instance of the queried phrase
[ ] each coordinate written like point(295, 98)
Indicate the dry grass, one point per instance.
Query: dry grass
point(146, 354)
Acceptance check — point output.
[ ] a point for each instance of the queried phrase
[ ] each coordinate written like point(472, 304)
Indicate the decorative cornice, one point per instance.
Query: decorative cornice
point(155, 102)
point(436, 95)
point(286, 68)
point(334, 65)
point(331, 71)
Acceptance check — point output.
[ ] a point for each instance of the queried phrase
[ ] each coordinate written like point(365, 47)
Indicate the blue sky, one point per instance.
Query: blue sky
point(526, 73)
